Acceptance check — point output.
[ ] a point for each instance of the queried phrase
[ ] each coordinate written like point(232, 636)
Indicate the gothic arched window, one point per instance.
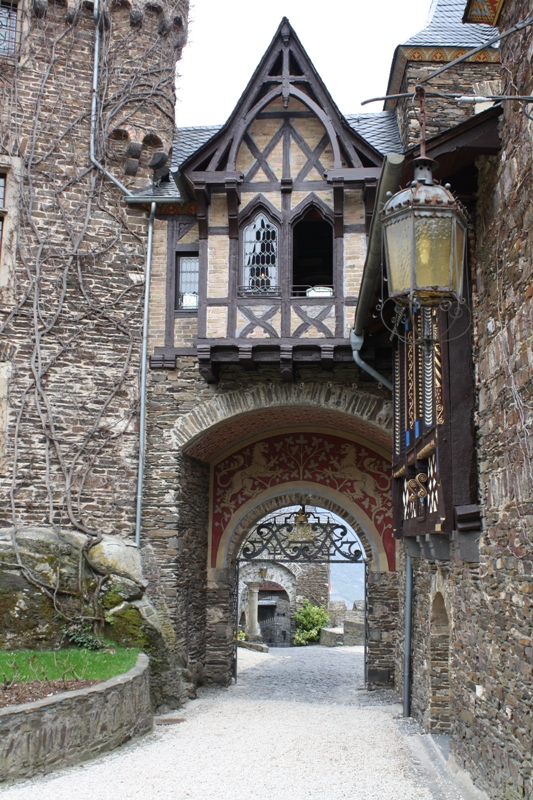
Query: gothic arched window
point(260, 255)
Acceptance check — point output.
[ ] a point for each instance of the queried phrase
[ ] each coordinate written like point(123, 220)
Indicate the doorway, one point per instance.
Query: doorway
point(288, 558)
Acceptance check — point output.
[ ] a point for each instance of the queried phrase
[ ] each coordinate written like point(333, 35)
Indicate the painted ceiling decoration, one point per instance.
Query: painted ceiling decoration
point(339, 465)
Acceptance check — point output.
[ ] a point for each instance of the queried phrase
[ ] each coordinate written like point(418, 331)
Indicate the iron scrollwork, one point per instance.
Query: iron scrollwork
point(303, 537)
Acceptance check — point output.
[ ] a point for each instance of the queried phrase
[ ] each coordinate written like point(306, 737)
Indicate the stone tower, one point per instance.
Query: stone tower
point(72, 266)
point(72, 261)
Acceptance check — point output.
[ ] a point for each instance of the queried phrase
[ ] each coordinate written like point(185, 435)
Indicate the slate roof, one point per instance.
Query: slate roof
point(166, 189)
point(380, 129)
point(445, 28)
point(188, 140)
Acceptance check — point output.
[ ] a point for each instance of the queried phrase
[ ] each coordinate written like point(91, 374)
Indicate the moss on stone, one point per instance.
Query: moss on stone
point(129, 629)
point(112, 598)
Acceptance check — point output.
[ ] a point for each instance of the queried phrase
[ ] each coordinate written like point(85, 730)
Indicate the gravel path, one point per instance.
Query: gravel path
point(297, 726)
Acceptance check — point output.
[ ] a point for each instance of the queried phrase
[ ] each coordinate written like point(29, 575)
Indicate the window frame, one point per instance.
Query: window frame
point(243, 289)
point(11, 52)
point(184, 251)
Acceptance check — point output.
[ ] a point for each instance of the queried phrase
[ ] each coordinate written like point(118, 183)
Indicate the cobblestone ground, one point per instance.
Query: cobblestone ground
point(297, 726)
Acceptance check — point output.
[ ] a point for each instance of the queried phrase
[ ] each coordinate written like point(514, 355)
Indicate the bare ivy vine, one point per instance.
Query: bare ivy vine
point(71, 314)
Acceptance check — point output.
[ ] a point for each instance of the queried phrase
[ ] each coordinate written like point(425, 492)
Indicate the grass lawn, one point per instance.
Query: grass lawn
point(49, 665)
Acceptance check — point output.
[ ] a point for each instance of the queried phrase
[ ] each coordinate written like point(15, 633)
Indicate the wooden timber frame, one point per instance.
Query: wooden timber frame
point(286, 79)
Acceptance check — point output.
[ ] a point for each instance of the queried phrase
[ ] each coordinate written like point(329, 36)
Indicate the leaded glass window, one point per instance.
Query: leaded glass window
point(187, 282)
point(8, 27)
point(260, 249)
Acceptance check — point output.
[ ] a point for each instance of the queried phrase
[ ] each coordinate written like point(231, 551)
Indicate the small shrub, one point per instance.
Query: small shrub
point(82, 636)
point(309, 620)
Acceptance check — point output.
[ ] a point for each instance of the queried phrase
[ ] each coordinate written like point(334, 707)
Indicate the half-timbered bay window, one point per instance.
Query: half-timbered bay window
point(186, 282)
point(434, 486)
point(8, 27)
point(260, 256)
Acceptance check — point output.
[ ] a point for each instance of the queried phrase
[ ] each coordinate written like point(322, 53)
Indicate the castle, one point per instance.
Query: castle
point(176, 362)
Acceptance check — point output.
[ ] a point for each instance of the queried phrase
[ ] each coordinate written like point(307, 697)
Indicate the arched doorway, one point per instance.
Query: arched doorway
point(296, 545)
point(258, 450)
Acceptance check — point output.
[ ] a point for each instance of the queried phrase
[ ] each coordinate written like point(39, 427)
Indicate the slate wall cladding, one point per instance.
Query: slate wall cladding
point(74, 726)
point(441, 114)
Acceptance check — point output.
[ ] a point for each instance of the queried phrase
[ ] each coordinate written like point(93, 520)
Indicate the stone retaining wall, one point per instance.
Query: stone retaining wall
point(74, 726)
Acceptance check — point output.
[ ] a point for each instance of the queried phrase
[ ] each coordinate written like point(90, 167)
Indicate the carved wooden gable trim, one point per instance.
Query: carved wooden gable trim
point(285, 86)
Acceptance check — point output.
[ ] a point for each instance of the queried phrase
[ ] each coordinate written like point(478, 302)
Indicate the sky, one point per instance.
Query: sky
point(351, 43)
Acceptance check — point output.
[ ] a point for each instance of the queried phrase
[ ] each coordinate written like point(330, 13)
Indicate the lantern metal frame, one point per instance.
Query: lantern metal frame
point(415, 210)
point(425, 198)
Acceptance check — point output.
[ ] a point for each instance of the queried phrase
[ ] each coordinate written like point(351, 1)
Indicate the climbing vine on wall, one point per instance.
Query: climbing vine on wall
point(73, 282)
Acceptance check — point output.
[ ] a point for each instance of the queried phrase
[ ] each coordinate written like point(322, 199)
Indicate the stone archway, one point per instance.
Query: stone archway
point(353, 424)
point(284, 575)
point(439, 652)
point(225, 418)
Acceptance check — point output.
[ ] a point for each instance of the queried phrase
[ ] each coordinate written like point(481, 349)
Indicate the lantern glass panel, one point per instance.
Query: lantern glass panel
point(457, 276)
point(399, 238)
point(433, 242)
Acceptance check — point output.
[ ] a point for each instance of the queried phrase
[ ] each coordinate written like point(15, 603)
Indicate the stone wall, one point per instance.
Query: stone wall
point(72, 273)
point(74, 726)
point(275, 621)
point(312, 583)
point(382, 613)
point(494, 650)
point(441, 114)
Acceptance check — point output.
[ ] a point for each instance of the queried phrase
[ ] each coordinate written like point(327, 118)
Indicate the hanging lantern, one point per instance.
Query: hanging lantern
point(424, 229)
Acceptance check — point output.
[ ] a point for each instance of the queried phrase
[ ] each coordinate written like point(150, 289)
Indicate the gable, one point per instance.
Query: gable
point(284, 100)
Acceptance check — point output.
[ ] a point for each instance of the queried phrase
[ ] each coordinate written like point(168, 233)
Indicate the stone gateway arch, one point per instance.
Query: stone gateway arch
point(264, 448)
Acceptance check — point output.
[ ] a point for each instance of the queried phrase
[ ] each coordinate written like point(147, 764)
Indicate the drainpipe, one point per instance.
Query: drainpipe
point(144, 370)
point(94, 101)
point(147, 272)
point(356, 343)
point(407, 636)
point(389, 181)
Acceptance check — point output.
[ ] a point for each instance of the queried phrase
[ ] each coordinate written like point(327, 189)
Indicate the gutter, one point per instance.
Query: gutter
point(389, 181)
point(356, 343)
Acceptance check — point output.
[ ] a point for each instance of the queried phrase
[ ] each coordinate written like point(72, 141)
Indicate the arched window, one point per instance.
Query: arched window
point(312, 260)
point(260, 255)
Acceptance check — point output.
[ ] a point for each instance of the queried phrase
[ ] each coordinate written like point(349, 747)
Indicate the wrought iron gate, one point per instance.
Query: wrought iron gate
point(304, 537)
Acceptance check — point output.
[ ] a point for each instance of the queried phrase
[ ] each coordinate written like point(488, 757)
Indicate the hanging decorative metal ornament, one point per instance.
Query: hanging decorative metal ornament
point(301, 536)
point(424, 231)
point(301, 530)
